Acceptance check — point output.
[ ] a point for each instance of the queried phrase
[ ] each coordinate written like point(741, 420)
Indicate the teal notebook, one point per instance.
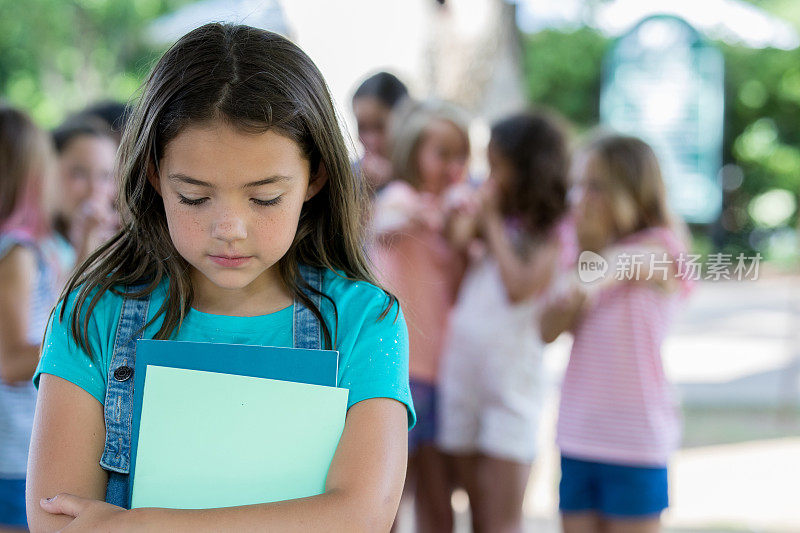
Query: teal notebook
point(217, 425)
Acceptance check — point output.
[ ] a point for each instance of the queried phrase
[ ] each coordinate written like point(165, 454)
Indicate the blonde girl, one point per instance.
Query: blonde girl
point(429, 151)
point(618, 422)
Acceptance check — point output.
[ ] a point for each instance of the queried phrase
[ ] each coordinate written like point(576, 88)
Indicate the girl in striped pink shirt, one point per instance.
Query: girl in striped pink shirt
point(618, 421)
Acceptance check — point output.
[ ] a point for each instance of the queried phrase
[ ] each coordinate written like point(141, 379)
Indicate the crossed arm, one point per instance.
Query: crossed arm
point(362, 493)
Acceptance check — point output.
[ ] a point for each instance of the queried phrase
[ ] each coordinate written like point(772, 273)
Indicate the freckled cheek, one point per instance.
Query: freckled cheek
point(187, 230)
point(275, 232)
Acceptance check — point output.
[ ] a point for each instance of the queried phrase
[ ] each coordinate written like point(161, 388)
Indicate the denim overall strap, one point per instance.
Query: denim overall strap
point(305, 326)
point(119, 397)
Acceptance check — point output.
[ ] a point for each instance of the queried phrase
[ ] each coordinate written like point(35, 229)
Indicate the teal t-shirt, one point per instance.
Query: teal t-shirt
point(373, 352)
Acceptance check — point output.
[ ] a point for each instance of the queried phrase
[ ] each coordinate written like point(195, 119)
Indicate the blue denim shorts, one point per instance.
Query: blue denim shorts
point(612, 490)
point(425, 404)
point(12, 503)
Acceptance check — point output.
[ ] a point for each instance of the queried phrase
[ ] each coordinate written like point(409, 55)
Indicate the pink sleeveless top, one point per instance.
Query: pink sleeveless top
point(419, 267)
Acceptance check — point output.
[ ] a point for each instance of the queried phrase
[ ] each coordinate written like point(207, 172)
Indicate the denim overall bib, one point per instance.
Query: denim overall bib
point(119, 392)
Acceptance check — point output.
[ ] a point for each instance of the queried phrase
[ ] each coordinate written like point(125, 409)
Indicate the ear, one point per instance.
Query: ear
point(317, 181)
point(154, 178)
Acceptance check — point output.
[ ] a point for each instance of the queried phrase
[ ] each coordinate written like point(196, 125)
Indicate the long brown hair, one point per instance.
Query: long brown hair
point(256, 81)
point(638, 196)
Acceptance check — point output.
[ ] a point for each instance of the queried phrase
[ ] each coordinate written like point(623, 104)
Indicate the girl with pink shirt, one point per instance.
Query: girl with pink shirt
point(618, 420)
point(412, 257)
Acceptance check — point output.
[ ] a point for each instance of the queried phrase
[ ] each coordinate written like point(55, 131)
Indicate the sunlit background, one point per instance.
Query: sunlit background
point(713, 85)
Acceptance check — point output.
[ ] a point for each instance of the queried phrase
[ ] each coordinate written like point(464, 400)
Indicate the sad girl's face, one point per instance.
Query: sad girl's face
point(233, 201)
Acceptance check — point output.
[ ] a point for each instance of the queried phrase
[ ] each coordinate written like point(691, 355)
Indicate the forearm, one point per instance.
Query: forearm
point(520, 278)
point(460, 230)
point(18, 364)
point(563, 314)
point(332, 511)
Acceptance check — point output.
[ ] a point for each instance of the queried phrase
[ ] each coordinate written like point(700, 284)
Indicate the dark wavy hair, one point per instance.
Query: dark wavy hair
point(383, 86)
point(256, 81)
point(535, 145)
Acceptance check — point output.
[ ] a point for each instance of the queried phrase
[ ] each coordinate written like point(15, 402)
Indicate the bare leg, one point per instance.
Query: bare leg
point(433, 490)
point(584, 522)
point(649, 525)
point(502, 489)
point(465, 472)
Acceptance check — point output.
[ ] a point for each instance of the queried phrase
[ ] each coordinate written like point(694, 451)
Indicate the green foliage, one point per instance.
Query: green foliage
point(563, 72)
point(762, 116)
point(763, 107)
point(57, 56)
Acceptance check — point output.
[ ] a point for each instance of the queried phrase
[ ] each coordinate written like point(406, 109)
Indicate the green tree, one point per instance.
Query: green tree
point(762, 115)
point(57, 56)
point(563, 71)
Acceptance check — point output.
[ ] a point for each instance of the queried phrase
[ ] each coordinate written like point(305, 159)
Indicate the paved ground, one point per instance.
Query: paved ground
point(735, 358)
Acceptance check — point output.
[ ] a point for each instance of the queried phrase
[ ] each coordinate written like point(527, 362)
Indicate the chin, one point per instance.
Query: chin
point(229, 280)
point(591, 240)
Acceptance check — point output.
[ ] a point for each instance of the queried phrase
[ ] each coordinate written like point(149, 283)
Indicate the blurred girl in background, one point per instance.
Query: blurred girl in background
point(373, 103)
point(29, 283)
point(618, 421)
point(87, 150)
point(414, 259)
point(490, 385)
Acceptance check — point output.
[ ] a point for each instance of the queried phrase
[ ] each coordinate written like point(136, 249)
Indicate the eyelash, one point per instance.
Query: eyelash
point(261, 203)
point(265, 203)
point(182, 199)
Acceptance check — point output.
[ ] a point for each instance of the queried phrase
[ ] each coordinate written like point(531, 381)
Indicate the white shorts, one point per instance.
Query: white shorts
point(489, 404)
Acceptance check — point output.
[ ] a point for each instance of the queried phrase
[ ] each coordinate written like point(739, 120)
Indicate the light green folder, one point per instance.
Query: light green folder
point(217, 440)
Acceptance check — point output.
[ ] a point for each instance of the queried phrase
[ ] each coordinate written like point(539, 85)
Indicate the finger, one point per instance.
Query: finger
point(66, 504)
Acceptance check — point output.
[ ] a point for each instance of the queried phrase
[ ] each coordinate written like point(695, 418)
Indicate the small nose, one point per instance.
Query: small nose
point(229, 227)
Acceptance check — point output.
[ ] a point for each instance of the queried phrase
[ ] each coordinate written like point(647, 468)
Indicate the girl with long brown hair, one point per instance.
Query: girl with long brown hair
point(240, 211)
point(491, 387)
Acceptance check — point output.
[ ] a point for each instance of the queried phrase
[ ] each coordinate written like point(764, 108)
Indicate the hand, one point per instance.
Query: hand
point(89, 515)
point(427, 214)
point(571, 301)
point(95, 222)
point(377, 169)
point(489, 199)
point(461, 199)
